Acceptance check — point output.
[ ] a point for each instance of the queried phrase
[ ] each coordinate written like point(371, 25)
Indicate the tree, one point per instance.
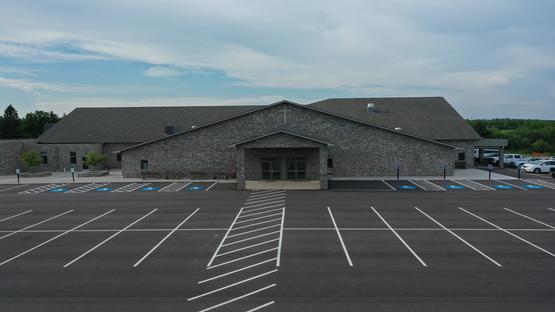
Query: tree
point(31, 158)
point(10, 123)
point(93, 159)
point(33, 124)
point(541, 146)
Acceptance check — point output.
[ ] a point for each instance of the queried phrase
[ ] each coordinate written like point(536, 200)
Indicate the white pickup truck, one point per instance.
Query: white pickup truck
point(512, 160)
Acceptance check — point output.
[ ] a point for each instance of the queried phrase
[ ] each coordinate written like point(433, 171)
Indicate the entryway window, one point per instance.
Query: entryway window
point(144, 164)
point(296, 169)
point(271, 168)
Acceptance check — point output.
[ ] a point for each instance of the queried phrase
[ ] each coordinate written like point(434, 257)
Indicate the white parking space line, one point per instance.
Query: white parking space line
point(175, 187)
point(223, 239)
point(389, 185)
point(267, 207)
point(238, 298)
point(130, 187)
point(551, 209)
point(247, 247)
point(459, 238)
point(270, 198)
point(252, 231)
point(43, 188)
point(232, 285)
point(250, 238)
point(340, 239)
point(87, 188)
point(15, 216)
point(242, 258)
point(427, 185)
point(248, 206)
point(542, 183)
point(266, 194)
point(278, 260)
point(264, 191)
point(261, 306)
point(530, 218)
point(474, 185)
point(33, 225)
point(235, 271)
point(259, 213)
point(463, 184)
point(13, 188)
point(55, 237)
point(400, 238)
point(211, 186)
point(164, 239)
point(255, 224)
point(510, 184)
point(109, 238)
point(510, 233)
point(258, 218)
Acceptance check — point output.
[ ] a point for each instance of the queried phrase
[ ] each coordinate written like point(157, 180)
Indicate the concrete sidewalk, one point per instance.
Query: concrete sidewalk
point(460, 174)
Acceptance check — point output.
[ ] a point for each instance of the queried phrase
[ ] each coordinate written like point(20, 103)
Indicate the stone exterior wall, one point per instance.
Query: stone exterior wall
point(109, 149)
point(467, 147)
point(359, 150)
point(58, 156)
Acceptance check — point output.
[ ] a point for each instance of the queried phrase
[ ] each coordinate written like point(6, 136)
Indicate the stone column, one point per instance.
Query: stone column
point(323, 165)
point(481, 156)
point(240, 168)
point(501, 158)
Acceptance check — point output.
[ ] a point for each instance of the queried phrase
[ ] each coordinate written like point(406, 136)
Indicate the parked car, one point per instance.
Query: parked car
point(539, 166)
point(487, 153)
point(512, 159)
point(523, 161)
point(553, 172)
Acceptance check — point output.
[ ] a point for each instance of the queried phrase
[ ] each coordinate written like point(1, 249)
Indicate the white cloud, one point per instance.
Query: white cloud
point(34, 87)
point(162, 72)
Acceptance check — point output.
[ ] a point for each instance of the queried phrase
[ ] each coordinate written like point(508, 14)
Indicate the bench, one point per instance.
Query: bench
point(150, 175)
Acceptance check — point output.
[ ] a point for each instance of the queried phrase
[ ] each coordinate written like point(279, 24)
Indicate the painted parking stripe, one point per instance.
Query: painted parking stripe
point(264, 208)
point(340, 239)
point(389, 185)
point(260, 217)
point(223, 239)
point(256, 230)
point(33, 225)
point(130, 187)
point(261, 306)
point(278, 260)
point(427, 185)
point(43, 188)
point(551, 209)
point(400, 238)
point(235, 271)
point(510, 233)
point(255, 224)
point(247, 247)
point(250, 238)
point(282, 201)
point(55, 237)
point(88, 187)
point(510, 184)
point(530, 218)
point(15, 216)
point(266, 194)
point(474, 185)
point(270, 198)
point(13, 188)
point(175, 187)
point(259, 213)
point(238, 298)
point(459, 238)
point(164, 239)
point(109, 238)
point(211, 186)
point(242, 258)
point(542, 183)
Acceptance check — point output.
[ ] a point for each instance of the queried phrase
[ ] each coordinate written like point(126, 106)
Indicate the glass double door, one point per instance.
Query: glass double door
point(296, 168)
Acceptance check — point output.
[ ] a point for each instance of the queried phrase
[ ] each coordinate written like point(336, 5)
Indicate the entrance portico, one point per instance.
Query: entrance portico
point(282, 160)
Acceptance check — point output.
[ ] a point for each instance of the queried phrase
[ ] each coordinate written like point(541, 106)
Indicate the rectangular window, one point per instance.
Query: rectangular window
point(462, 156)
point(85, 166)
point(271, 169)
point(144, 164)
point(330, 162)
point(44, 158)
point(296, 169)
point(118, 157)
point(72, 157)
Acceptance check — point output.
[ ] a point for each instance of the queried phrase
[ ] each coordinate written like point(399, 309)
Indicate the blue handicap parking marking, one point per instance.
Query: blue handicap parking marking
point(504, 187)
point(58, 190)
point(103, 189)
point(532, 186)
point(455, 187)
point(196, 188)
point(150, 188)
point(407, 187)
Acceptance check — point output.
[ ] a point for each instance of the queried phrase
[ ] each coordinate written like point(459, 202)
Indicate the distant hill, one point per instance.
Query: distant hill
point(525, 135)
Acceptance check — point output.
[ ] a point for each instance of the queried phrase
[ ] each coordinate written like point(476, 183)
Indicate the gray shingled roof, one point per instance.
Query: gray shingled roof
point(133, 124)
point(429, 117)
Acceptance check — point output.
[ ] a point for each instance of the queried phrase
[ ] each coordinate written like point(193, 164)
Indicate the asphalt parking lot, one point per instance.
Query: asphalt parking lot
point(218, 250)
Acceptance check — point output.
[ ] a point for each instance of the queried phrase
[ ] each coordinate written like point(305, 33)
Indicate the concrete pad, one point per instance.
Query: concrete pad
point(282, 185)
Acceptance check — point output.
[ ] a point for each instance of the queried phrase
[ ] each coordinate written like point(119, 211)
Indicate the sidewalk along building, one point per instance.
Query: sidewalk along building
point(284, 142)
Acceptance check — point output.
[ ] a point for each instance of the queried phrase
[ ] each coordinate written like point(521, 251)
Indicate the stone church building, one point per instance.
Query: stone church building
point(277, 143)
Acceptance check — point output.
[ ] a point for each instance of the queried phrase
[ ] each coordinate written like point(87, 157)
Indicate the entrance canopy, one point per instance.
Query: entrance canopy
point(497, 144)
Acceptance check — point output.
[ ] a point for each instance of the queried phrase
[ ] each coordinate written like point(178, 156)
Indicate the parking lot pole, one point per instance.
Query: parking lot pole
point(73, 174)
point(518, 172)
point(398, 169)
point(444, 172)
point(17, 171)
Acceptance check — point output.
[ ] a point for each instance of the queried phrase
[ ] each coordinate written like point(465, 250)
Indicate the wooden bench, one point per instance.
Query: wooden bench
point(150, 175)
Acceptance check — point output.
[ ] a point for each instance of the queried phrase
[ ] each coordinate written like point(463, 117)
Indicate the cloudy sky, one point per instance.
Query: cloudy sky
point(489, 58)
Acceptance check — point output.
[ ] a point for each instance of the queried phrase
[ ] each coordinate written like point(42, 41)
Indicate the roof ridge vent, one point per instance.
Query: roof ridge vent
point(371, 108)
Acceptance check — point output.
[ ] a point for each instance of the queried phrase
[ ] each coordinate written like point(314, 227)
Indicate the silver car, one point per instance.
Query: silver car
point(539, 166)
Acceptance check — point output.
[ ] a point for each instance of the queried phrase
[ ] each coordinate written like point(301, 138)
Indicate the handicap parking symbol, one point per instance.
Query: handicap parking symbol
point(196, 188)
point(532, 186)
point(407, 187)
point(58, 190)
point(455, 187)
point(103, 189)
point(503, 187)
point(150, 188)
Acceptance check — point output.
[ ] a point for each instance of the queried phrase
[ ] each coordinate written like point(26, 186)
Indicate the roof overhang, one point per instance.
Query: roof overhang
point(300, 136)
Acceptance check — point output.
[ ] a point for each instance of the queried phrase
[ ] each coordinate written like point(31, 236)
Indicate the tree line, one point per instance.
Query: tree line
point(524, 135)
point(30, 126)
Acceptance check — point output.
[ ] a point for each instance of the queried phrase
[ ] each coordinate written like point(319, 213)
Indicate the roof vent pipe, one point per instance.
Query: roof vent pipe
point(370, 107)
point(398, 128)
